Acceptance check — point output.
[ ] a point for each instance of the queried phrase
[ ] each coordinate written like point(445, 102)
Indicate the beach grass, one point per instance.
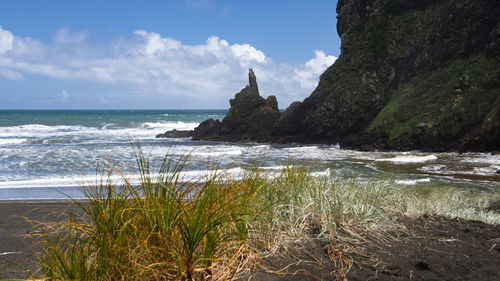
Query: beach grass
point(218, 227)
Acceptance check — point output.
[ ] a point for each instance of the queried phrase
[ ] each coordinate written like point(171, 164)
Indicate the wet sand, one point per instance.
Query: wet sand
point(14, 249)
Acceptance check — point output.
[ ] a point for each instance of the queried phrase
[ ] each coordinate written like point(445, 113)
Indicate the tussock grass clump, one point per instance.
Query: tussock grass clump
point(321, 206)
point(166, 228)
point(450, 202)
point(162, 229)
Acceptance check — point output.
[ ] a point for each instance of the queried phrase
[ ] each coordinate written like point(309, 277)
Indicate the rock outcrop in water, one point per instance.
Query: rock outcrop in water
point(250, 118)
point(411, 75)
point(176, 134)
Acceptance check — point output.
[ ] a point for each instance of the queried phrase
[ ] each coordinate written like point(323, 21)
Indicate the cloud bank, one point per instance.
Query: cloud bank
point(154, 67)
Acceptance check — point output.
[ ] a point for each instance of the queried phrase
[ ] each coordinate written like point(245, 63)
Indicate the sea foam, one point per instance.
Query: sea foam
point(403, 159)
point(146, 130)
point(413, 182)
point(134, 179)
point(12, 141)
point(218, 153)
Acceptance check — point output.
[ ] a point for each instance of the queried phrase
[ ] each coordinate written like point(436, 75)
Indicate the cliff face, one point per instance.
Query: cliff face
point(411, 75)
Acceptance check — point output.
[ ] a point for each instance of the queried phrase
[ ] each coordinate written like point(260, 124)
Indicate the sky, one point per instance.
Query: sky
point(182, 54)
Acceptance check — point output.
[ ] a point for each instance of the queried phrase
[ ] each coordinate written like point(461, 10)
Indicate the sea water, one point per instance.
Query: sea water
point(51, 154)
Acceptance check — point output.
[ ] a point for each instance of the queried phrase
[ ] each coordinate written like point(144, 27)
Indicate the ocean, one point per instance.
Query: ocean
point(50, 154)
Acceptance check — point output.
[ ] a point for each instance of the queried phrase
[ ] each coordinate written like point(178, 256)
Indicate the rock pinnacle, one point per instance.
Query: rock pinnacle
point(252, 80)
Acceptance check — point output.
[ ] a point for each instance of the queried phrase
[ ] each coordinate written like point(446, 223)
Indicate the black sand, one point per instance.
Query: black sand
point(429, 248)
point(14, 250)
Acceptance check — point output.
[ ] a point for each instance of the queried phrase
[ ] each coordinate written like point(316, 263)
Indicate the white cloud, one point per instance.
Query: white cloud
point(160, 68)
point(6, 39)
point(154, 43)
point(65, 36)
point(318, 64)
point(248, 53)
point(308, 74)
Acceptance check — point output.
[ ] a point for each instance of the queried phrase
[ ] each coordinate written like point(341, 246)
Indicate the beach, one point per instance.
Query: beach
point(398, 220)
point(127, 151)
point(426, 247)
point(14, 225)
point(429, 248)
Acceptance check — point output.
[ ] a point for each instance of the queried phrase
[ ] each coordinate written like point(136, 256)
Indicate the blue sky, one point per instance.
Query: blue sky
point(160, 54)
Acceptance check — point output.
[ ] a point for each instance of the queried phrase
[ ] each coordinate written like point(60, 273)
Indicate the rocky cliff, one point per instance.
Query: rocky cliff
point(411, 75)
point(250, 117)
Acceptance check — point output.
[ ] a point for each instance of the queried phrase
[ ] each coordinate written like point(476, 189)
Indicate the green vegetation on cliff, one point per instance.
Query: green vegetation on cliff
point(412, 75)
point(447, 102)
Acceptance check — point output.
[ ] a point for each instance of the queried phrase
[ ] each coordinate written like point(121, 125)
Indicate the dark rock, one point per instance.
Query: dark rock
point(252, 80)
point(404, 66)
point(176, 134)
point(412, 75)
point(250, 117)
point(243, 105)
point(208, 129)
point(493, 48)
point(287, 123)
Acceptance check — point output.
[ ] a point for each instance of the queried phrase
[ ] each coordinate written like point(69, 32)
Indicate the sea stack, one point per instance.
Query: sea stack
point(250, 117)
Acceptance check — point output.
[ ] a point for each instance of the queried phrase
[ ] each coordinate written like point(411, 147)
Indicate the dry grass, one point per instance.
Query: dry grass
point(219, 227)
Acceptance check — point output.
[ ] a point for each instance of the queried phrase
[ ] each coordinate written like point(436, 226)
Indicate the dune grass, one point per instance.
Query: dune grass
point(213, 229)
